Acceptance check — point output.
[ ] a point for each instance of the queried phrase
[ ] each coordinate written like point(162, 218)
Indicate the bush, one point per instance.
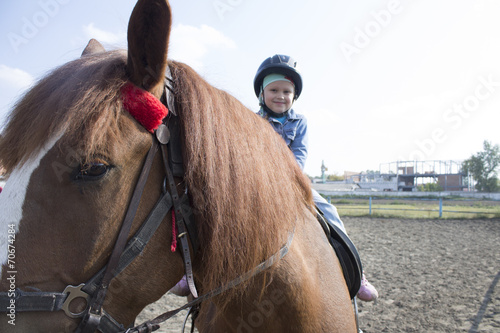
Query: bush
point(430, 187)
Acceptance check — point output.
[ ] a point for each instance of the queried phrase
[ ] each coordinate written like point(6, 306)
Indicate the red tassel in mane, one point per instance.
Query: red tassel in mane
point(143, 106)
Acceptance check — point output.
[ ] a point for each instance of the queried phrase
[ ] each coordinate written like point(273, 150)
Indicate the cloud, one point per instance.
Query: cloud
point(105, 37)
point(13, 81)
point(15, 78)
point(190, 44)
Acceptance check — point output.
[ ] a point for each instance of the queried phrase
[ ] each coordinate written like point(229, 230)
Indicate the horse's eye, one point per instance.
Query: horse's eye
point(92, 171)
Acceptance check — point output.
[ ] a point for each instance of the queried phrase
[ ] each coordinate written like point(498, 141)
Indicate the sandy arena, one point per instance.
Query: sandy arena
point(432, 276)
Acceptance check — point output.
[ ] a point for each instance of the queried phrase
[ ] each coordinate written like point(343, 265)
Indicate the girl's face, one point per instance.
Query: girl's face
point(278, 96)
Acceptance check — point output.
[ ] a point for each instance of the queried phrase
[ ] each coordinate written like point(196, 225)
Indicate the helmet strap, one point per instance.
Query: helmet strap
point(273, 114)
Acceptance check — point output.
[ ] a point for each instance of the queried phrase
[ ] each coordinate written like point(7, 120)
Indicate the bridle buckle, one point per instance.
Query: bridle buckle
point(74, 293)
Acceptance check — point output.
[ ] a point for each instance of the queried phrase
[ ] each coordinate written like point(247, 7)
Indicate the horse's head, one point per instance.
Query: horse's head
point(73, 155)
point(76, 149)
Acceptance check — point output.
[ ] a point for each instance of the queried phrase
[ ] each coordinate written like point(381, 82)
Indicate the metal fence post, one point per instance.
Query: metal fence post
point(440, 207)
point(370, 204)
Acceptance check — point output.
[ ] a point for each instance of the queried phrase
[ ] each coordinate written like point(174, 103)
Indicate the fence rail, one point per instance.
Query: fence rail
point(372, 206)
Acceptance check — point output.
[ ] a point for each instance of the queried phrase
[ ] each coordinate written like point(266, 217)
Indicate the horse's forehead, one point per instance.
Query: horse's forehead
point(13, 196)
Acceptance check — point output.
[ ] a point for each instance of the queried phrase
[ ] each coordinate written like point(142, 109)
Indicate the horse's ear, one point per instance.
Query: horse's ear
point(93, 47)
point(148, 33)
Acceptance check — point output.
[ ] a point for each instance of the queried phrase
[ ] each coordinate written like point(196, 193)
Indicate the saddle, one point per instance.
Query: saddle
point(346, 252)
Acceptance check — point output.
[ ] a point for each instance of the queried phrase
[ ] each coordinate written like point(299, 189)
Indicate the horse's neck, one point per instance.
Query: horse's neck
point(306, 293)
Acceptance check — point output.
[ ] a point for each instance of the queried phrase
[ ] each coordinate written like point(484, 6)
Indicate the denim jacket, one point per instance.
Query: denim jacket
point(294, 132)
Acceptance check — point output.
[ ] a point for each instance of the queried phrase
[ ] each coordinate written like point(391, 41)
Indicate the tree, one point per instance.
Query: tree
point(430, 187)
point(482, 166)
point(335, 177)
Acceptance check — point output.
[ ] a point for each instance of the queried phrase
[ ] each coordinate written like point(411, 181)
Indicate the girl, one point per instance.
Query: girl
point(277, 85)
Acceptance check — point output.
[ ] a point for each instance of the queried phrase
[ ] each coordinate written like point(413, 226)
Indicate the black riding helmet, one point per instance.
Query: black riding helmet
point(278, 64)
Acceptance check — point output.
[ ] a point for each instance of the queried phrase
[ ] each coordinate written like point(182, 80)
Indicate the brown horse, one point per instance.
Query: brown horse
point(74, 156)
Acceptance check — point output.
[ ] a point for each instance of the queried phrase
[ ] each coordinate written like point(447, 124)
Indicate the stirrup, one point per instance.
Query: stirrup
point(355, 304)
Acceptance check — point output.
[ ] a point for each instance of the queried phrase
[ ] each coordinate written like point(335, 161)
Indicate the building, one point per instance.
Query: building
point(408, 175)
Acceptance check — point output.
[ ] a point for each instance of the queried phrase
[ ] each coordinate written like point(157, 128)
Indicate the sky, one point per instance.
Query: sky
point(384, 80)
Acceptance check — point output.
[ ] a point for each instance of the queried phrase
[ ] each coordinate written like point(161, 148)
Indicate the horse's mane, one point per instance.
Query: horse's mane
point(81, 98)
point(244, 181)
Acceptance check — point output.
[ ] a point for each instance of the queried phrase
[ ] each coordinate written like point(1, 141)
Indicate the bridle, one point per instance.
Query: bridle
point(94, 314)
point(166, 139)
point(94, 291)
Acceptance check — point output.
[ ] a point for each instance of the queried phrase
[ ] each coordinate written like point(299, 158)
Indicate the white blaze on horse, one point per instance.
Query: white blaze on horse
point(101, 180)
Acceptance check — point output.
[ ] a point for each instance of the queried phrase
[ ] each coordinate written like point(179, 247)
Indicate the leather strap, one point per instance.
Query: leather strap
point(92, 318)
point(175, 147)
point(177, 166)
point(155, 323)
point(27, 301)
point(179, 217)
point(137, 243)
point(34, 301)
point(346, 252)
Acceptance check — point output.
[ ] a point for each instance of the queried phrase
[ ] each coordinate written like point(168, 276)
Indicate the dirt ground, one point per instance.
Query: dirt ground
point(432, 276)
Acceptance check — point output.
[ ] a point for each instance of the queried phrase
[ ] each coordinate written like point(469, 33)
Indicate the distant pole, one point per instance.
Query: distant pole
point(323, 169)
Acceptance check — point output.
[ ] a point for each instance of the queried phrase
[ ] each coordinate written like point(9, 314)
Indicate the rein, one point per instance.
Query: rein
point(154, 323)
